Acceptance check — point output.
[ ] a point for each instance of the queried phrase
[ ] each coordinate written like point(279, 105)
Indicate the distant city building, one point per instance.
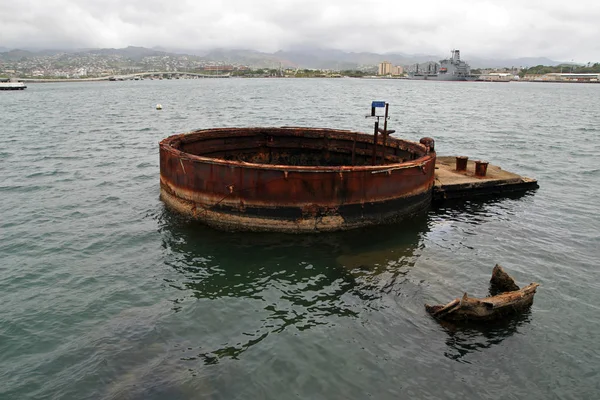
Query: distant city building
point(385, 68)
point(574, 77)
point(397, 70)
point(497, 77)
point(563, 77)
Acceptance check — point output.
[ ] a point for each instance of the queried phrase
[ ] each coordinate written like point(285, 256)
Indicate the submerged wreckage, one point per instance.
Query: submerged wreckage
point(301, 180)
point(507, 299)
point(296, 179)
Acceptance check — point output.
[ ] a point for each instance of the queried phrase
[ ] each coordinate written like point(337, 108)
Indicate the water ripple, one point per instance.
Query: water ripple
point(105, 294)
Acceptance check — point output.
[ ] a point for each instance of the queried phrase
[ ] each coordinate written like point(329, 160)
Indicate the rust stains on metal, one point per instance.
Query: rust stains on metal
point(294, 179)
point(461, 163)
point(481, 168)
point(458, 178)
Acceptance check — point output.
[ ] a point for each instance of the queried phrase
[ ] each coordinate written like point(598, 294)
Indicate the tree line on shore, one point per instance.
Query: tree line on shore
point(589, 68)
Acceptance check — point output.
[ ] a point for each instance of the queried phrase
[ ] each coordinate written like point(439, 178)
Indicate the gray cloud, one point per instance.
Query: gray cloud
point(484, 28)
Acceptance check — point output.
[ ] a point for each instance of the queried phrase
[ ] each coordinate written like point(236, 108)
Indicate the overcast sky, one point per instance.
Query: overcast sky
point(561, 30)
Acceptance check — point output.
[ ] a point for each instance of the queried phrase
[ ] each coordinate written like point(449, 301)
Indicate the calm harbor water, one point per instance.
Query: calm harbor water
point(107, 295)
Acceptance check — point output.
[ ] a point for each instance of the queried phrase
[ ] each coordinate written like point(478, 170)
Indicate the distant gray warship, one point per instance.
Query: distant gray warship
point(450, 69)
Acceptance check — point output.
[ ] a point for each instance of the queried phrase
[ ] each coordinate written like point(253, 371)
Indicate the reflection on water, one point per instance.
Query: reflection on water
point(465, 339)
point(475, 211)
point(480, 210)
point(460, 218)
point(296, 281)
point(103, 292)
point(452, 223)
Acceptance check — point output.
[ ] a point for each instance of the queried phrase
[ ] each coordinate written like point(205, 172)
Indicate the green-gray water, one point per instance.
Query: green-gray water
point(107, 295)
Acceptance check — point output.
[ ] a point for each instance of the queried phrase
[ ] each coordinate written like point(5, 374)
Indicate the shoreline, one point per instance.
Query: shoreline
point(110, 79)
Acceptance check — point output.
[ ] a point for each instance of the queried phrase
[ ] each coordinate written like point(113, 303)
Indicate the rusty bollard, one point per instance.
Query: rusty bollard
point(461, 163)
point(481, 168)
point(428, 142)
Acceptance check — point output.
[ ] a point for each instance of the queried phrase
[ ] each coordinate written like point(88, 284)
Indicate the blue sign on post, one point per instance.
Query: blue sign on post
point(378, 104)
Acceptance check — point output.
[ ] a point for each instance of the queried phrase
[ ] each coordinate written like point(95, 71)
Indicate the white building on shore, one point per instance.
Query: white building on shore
point(563, 77)
point(386, 68)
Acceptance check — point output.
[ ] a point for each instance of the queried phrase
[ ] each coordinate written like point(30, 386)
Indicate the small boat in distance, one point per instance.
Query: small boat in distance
point(6, 84)
point(449, 69)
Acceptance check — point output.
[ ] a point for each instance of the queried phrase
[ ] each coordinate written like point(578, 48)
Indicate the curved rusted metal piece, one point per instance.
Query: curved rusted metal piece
point(293, 179)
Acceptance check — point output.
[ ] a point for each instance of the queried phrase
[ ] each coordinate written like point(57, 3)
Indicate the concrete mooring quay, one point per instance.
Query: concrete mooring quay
point(461, 178)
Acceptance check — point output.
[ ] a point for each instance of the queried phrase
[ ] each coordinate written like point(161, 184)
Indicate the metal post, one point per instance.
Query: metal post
point(385, 133)
point(376, 131)
point(354, 149)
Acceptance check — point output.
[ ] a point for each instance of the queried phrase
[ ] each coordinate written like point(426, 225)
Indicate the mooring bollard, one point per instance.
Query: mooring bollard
point(481, 168)
point(461, 163)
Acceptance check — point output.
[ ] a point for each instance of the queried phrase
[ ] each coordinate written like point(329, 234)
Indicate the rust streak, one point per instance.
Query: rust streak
point(320, 178)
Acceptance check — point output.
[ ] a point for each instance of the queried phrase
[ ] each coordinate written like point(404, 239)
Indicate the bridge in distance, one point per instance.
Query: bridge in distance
point(154, 74)
point(167, 74)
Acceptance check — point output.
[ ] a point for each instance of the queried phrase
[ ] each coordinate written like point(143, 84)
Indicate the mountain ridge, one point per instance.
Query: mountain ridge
point(314, 58)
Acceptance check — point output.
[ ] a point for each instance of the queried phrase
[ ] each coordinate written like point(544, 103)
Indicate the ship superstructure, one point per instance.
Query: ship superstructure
point(449, 69)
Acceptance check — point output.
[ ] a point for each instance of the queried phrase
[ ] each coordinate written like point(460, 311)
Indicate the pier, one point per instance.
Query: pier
point(460, 178)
